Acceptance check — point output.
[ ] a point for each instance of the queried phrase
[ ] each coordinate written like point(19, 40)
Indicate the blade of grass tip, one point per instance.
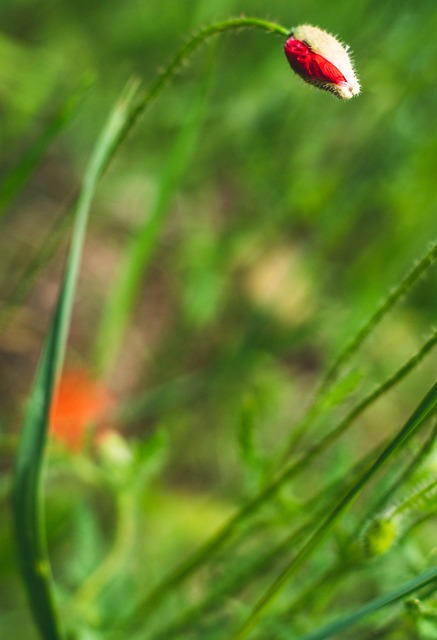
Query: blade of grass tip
point(27, 498)
point(426, 408)
point(412, 586)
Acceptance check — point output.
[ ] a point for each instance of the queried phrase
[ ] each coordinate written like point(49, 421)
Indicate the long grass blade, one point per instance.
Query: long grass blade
point(412, 586)
point(28, 510)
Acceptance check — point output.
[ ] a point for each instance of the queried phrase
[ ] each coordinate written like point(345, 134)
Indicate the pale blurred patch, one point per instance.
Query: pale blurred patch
point(278, 283)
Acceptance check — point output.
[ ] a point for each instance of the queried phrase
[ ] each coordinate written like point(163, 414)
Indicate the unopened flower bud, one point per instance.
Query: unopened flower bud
point(321, 60)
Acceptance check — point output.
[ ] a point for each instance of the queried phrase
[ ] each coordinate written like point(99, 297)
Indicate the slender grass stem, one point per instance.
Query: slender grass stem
point(337, 570)
point(334, 371)
point(404, 476)
point(179, 60)
point(423, 580)
point(85, 599)
point(316, 506)
point(382, 310)
point(119, 306)
point(28, 507)
point(231, 527)
point(422, 413)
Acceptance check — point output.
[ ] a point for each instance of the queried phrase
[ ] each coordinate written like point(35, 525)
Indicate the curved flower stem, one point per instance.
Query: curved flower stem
point(51, 242)
point(181, 57)
point(115, 317)
point(188, 48)
point(27, 488)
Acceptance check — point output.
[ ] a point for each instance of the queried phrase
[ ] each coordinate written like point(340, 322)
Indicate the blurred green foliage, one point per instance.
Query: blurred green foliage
point(291, 215)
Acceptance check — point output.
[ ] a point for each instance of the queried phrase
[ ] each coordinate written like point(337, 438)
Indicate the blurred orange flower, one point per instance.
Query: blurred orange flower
point(81, 407)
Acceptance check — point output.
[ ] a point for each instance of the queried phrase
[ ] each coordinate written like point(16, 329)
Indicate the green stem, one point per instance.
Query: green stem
point(334, 371)
point(327, 576)
point(120, 303)
point(229, 529)
point(416, 500)
point(50, 244)
point(382, 310)
point(27, 495)
point(426, 578)
point(403, 477)
point(426, 408)
point(317, 505)
point(85, 600)
point(198, 38)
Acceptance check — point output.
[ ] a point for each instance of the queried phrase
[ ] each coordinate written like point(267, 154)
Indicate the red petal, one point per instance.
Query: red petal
point(319, 67)
point(310, 65)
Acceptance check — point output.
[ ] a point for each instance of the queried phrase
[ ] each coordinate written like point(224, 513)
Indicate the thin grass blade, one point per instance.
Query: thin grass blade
point(28, 508)
point(412, 586)
point(425, 410)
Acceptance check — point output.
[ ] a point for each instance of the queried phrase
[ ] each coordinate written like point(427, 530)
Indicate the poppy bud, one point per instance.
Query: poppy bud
point(321, 60)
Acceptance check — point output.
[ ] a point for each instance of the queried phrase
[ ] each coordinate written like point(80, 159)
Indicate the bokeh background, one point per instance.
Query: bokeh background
point(282, 215)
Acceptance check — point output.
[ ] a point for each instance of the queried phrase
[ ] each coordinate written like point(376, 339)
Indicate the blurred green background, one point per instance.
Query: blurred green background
point(284, 216)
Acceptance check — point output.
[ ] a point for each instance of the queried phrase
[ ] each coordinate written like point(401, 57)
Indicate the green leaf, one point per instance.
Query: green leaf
point(28, 508)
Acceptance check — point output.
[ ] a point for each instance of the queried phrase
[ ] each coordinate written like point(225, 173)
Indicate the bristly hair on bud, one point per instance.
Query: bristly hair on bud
point(321, 60)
